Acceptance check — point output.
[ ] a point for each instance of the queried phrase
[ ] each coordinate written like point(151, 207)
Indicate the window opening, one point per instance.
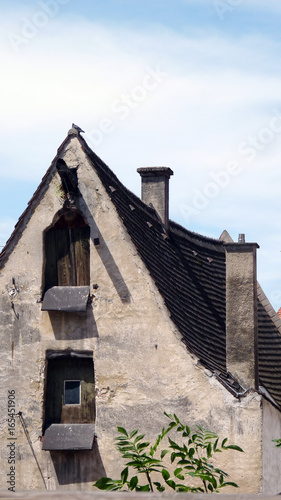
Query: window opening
point(70, 388)
point(67, 252)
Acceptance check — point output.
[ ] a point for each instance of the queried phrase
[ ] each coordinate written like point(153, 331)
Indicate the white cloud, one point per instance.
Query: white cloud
point(217, 93)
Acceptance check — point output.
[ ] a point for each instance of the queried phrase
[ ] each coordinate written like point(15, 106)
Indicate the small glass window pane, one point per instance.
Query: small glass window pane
point(72, 392)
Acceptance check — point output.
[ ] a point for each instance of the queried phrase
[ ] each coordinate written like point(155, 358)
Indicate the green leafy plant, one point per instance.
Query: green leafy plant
point(189, 459)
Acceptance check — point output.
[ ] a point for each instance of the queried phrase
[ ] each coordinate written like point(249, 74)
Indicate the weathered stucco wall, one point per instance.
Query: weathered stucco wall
point(271, 456)
point(141, 366)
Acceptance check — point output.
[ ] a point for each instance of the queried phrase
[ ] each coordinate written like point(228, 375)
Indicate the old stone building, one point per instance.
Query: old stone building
point(112, 314)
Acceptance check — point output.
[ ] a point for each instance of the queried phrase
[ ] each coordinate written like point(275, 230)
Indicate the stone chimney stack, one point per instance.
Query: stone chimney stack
point(241, 313)
point(155, 189)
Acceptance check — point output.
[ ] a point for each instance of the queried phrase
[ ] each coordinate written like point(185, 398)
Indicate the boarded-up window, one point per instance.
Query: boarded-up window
point(67, 253)
point(70, 392)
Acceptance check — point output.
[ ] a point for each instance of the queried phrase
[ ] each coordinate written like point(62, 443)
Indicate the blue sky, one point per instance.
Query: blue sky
point(189, 84)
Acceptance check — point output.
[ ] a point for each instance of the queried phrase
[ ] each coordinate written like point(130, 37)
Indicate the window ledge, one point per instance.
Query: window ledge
point(66, 298)
point(66, 437)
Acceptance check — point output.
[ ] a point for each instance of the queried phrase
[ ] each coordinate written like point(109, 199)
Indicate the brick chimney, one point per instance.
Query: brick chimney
point(155, 189)
point(241, 313)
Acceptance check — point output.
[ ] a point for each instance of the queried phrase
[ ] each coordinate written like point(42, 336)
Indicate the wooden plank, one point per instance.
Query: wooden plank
point(63, 257)
point(81, 245)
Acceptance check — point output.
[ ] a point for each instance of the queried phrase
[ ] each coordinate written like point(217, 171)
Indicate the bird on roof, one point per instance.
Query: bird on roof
point(77, 128)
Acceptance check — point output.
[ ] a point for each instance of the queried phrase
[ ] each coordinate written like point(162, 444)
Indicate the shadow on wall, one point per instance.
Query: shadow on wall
point(73, 326)
point(105, 255)
point(74, 467)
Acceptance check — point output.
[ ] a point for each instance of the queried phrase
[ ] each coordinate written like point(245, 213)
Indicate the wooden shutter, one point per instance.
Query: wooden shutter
point(67, 257)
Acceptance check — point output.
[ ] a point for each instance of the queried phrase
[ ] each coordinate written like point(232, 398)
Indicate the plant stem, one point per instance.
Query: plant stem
point(205, 486)
point(149, 480)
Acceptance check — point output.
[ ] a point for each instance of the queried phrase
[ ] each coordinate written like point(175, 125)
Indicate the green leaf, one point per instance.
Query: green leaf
point(176, 419)
point(135, 463)
point(223, 443)
point(174, 445)
point(233, 447)
point(171, 426)
point(138, 438)
point(171, 483)
point(126, 448)
point(143, 488)
point(106, 483)
point(165, 474)
point(177, 471)
point(168, 415)
point(141, 446)
point(124, 442)
point(122, 431)
point(163, 453)
point(189, 467)
point(133, 483)
point(229, 483)
point(124, 475)
point(203, 476)
point(180, 428)
point(159, 486)
point(133, 433)
point(213, 481)
point(183, 489)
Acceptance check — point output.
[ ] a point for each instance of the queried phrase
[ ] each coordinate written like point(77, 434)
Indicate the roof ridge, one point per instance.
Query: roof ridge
point(188, 232)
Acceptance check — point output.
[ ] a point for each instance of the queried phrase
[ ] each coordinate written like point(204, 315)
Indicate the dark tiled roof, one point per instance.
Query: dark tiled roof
point(189, 271)
point(269, 349)
point(187, 268)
